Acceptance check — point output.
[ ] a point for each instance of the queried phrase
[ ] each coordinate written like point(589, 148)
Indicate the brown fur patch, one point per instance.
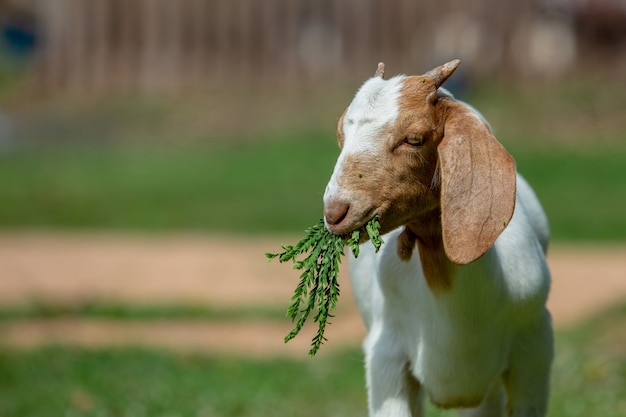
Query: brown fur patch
point(438, 269)
point(406, 244)
point(421, 115)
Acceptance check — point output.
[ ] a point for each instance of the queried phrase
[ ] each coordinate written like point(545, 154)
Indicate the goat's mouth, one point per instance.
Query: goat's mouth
point(348, 221)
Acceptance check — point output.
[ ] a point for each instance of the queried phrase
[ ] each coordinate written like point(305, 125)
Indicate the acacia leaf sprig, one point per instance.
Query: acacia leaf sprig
point(318, 288)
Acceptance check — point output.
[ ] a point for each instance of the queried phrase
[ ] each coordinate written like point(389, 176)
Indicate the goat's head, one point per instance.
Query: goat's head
point(414, 156)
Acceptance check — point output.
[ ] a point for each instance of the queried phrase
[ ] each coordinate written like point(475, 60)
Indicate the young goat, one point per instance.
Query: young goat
point(454, 302)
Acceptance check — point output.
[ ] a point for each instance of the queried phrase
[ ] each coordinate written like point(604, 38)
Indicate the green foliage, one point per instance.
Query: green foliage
point(319, 286)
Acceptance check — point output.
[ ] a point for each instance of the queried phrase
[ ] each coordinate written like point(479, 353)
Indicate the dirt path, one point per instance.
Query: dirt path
point(222, 272)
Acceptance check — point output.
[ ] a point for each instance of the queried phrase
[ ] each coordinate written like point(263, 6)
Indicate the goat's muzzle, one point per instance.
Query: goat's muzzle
point(335, 212)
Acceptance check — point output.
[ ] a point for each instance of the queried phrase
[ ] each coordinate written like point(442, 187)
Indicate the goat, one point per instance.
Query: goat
point(463, 322)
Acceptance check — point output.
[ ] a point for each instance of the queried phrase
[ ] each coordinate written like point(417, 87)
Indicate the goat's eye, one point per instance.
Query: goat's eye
point(414, 140)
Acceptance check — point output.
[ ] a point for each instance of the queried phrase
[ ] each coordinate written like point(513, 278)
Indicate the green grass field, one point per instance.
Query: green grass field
point(145, 165)
point(588, 379)
point(268, 186)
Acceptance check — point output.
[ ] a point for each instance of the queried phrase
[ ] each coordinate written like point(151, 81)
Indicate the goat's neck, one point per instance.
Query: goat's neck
point(426, 234)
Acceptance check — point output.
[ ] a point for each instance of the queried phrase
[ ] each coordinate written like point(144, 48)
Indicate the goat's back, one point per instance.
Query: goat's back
point(534, 211)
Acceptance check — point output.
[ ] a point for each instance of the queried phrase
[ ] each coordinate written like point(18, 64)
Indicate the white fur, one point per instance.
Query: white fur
point(373, 108)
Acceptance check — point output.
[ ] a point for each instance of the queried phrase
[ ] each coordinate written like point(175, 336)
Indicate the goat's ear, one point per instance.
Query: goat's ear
point(340, 137)
point(477, 185)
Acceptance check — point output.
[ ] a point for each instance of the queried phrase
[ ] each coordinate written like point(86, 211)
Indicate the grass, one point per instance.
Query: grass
point(582, 190)
point(265, 186)
point(247, 187)
point(590, 367)
point(134, 382)
point(102, 309)
point(146, 163)
point(589, 378)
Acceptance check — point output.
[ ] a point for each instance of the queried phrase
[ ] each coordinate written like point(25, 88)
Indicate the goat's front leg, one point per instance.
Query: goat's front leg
point(528, 378)
point(392, 389)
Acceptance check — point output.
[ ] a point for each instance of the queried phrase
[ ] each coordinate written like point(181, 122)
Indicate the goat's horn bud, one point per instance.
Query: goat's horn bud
point(380, 70)
point(440, 74)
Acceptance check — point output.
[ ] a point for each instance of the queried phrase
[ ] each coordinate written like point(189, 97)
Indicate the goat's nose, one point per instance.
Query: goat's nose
point(335, 211)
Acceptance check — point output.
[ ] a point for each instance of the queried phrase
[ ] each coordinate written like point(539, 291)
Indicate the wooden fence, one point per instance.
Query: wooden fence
point(147, 45)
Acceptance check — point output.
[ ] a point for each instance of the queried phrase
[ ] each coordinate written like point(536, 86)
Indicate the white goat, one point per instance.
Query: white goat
point(463, 320)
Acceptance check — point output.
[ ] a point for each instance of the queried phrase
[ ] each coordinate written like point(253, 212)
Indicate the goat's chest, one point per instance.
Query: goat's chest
point(455, 339)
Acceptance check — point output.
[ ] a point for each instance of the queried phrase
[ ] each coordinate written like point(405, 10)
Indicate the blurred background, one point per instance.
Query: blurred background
point(152, 151)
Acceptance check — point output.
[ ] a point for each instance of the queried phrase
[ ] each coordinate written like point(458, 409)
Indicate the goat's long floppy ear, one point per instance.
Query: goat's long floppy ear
point(477, 185)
